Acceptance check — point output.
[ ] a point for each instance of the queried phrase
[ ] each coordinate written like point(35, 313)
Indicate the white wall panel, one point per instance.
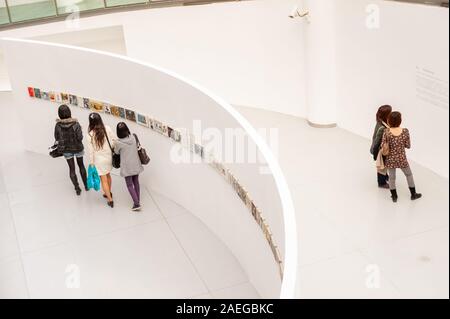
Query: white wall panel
point(378, 66)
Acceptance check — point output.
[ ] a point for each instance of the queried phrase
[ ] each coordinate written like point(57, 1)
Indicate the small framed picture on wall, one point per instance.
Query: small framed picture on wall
point(31, 92)
point(37, 93)
point(143, 120)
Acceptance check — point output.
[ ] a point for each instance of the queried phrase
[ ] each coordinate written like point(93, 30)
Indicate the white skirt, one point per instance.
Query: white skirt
point(102, 158)
point(103, 161)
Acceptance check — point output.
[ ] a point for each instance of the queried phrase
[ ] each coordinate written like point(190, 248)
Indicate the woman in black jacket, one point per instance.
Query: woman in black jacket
point(69, 138)
point(382, 119)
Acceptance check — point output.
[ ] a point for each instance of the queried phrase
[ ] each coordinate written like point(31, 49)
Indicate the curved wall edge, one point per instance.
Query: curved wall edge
point(55, 71)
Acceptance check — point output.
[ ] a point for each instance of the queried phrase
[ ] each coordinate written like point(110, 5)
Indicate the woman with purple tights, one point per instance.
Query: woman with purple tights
point(130, 164)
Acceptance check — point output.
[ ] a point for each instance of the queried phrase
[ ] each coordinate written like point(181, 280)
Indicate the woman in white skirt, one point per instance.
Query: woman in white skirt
point(101, 145)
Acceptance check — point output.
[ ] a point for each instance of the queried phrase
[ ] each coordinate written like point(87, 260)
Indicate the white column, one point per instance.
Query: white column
point(321, 63)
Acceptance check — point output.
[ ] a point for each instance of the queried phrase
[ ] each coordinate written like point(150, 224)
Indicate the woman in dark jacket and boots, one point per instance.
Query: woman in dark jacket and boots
point(382, 119)
point(69, 138)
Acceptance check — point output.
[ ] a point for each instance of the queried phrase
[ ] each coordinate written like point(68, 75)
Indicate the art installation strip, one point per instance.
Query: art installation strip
point(187, 140)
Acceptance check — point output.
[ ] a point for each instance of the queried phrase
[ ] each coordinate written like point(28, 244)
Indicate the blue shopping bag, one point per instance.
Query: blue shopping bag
point(93, 180)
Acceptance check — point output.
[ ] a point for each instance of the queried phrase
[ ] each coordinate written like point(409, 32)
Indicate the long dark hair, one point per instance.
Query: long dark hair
point(383, 113)
point(97, 128)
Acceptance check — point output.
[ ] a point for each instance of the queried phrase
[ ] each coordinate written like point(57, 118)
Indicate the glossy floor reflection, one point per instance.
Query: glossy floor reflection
point(47, 234)
point(349, 230)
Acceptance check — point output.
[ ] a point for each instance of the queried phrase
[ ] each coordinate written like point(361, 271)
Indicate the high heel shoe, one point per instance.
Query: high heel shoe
point(111, 204)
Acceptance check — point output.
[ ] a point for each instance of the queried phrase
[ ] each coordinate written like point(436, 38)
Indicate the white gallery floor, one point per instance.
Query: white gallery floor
point(45, 229)
point(161, 252)
point(349, 230)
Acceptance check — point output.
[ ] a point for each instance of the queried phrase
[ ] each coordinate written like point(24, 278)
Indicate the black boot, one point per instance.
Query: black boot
point(414, 194)
point(85, 183)
point(74, 179)
point(394, 195)
point(84, 178)
point(382, 180)
point(73, 175)
point(83, 172)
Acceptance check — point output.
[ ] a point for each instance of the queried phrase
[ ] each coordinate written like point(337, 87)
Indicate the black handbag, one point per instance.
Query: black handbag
point(145, 159)
point(115, 157)
point(116, 160)
point(54, 151)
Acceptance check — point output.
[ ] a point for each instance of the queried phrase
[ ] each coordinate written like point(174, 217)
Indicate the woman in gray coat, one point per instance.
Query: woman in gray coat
point(130, 164)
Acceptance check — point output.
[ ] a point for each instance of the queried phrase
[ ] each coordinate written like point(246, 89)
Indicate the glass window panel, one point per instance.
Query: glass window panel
point(70, 6)
point(22, 10)
point(3, 13)
point(442, 3)
point(114, 3)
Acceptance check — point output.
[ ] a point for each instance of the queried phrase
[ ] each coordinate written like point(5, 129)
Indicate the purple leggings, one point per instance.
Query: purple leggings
point(134, 188)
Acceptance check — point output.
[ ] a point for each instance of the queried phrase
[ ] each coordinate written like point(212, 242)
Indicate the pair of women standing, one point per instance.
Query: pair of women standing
point(101, 143)
point(393, 140)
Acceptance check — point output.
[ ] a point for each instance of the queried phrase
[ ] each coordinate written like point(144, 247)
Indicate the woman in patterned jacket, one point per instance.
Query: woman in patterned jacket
point(397, 140)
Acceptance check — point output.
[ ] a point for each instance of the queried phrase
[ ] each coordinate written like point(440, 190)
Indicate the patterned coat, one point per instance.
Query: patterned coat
point(397, 148)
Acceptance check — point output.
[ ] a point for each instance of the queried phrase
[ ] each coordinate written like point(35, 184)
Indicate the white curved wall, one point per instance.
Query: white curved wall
point(378, 65)
point(252, 54)
point(249, 52)
point(151, 91)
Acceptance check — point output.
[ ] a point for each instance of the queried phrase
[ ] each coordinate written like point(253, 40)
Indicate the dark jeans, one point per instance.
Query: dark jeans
point(134, 188)
point(382, 179)
point(73, 175)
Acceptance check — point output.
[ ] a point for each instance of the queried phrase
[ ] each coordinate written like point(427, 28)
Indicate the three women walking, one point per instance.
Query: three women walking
point(102, 143)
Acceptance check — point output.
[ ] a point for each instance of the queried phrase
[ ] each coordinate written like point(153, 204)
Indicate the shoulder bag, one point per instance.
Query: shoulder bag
point(380, 162)
point(55, 150)
point(115, 157)
point(385, 147)
point(145, 159)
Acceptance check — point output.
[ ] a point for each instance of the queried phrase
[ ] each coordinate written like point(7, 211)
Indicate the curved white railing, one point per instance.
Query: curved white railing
point(177, 101)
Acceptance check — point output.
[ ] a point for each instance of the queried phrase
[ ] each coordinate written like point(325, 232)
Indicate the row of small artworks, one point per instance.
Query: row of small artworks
point(175, 135)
